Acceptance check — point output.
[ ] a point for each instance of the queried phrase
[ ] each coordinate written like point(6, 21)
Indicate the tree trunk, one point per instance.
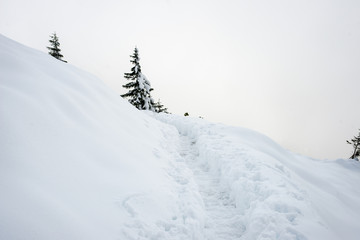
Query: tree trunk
point(355, 151)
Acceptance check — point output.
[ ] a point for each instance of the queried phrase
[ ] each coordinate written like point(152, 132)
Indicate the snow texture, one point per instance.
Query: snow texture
point(79, 162)
point(145, 88)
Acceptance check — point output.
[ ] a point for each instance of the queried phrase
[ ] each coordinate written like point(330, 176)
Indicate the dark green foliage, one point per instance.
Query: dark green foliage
point(160, 108)
point(356, 144)
point(139, 87)
point(54, 49)
point(186, 114)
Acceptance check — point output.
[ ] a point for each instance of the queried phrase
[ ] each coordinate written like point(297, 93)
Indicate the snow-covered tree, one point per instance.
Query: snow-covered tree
point(139, 87)
point(356, 144)
point(54, 49)
point(160, 107)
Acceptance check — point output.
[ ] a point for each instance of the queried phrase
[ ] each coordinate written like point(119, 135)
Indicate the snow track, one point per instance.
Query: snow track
point(222, 220)
point(249, 186)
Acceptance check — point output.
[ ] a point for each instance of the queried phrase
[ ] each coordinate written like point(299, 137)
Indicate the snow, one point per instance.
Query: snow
point(79, 162)
point(275, 194)
point(145, 86)
point(144, 83)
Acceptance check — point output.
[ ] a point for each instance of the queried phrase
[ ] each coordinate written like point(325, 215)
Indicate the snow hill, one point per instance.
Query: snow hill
point(78, 162)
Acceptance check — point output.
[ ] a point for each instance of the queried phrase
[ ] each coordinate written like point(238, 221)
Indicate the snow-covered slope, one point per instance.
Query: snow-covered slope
point(78, 162)
point(268, 192)
point(76, 158)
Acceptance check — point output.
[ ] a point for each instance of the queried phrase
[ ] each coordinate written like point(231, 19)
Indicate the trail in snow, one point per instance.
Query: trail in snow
point(248, 186)
point(222, 221)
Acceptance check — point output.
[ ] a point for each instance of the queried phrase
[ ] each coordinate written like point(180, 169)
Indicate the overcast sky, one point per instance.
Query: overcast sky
point(288, 69)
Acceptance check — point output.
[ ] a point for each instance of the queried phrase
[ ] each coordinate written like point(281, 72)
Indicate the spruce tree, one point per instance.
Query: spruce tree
point(356, 144)
point(160, 108)
point(54, 49)
point(139, 87)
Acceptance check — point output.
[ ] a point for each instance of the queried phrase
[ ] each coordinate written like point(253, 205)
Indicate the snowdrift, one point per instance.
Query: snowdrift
point(79, 162)
point(75, 157)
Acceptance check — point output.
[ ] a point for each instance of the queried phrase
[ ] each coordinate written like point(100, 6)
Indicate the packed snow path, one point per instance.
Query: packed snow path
point(222, 220)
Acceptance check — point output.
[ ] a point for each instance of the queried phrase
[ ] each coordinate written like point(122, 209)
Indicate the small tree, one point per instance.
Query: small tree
point(54, 49)
point(139, 87)
point(356, 144)
point(160, 108)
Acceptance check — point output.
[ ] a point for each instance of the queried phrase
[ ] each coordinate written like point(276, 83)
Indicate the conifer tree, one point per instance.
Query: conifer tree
point(139, 87)
point(160, 108)
point(356, 144)
point(54, 49)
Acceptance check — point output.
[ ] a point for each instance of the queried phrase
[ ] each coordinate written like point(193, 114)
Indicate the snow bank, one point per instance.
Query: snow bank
point(78, 162)
point(276, 194)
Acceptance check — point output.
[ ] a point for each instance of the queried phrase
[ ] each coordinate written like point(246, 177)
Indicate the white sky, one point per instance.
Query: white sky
point(289, 69)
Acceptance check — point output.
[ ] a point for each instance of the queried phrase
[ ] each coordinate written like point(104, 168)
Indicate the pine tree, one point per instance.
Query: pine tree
point(55, 47)
point(160, 108)
point(139, 87)
point(356, 144)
